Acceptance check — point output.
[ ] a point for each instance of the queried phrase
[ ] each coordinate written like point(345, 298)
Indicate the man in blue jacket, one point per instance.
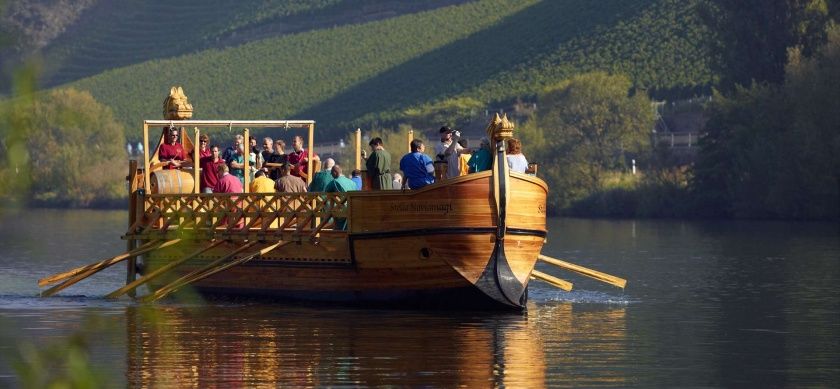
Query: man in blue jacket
point(418, 168)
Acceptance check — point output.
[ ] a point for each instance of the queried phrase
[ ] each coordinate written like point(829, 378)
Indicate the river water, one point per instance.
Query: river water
point(707, 304)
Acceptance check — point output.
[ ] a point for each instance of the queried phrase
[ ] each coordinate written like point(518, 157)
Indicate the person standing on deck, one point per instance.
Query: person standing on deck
point(299, 158)
point(445, 142)
point(277, 157)
point(237, 164)
point(289, 183)
point(171, 152)
point(230, 153)
point(379, 166)
point(515, 159)
point(210, 169)
point(204, 147)
point(322, 178)
point(265, 154)
point(453, 156)
point(418, 168)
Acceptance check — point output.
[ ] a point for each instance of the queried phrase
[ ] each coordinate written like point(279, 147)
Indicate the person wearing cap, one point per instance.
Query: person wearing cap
point(445, 142)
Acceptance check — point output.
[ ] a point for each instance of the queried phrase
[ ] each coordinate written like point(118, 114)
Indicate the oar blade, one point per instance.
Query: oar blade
point(552, 280)
point(594, 274)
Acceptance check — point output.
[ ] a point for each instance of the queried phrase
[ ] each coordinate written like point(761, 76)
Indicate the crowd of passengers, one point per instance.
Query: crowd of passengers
point(272, 169)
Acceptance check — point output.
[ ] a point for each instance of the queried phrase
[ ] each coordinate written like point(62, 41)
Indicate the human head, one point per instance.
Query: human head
point(204, 140)
point(356, 173)
point(445, 133)
point(279, 146)
point(514, 146)
point(329, 163)
point(286, 169)
point(398, 177)
point(417, 145)
point(485, 143)
point(463, 143)
point(215, 150)
point(222, 169)
point(252, 142)
point(375, 142)
point(297, 143)
point(259, 173)
point(237, 140)
point(172, 134)
point(336, 171)
point(268, 144)
point(240, 148)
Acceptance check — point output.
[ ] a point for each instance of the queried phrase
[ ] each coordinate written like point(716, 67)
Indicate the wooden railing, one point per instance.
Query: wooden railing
point(287, 216)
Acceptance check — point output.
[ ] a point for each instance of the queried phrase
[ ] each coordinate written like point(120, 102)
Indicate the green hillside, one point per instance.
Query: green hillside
point(489, 50)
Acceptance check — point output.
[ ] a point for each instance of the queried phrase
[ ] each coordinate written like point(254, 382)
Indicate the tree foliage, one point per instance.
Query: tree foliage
point(65, 149)
point(771, 150)
point(589, 125)
point(755, 35)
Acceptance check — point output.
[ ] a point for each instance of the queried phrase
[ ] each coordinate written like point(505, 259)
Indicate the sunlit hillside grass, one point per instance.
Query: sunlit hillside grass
point(490, 50)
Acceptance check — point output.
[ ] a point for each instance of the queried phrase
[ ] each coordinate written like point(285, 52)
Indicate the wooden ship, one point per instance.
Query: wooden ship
point(470, 241)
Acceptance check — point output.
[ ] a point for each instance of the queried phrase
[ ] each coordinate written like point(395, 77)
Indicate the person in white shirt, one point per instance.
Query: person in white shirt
point(516, 161)
point(445, 142)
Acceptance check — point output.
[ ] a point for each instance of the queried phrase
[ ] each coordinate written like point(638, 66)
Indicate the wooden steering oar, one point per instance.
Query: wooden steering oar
point(603, 277)
point(551, 280)
point(163, 269)
point(107, 262)
point(92, 269)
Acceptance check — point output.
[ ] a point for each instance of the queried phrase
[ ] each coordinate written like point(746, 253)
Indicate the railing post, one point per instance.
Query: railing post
point(358, 143)
point(410, 139)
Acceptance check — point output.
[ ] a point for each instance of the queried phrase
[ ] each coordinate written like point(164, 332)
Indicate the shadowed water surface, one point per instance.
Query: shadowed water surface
point(707, 304)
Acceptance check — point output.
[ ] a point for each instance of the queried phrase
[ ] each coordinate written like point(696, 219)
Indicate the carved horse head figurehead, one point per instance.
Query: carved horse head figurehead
point(176, 106)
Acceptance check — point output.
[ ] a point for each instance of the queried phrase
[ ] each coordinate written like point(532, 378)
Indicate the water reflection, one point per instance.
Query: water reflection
point(257, 345)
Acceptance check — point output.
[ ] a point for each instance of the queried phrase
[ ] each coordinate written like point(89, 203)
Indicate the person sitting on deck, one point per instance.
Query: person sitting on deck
point(481, 160)
point(228, 183)
point(356, 177)
point(209, 169)
point(418, 168)
point(299, 158)
point(171, 152)
point(340, 184)
point(379, 166)
point(397, 184)
point(322, 178)
point(287, 182)
point(261, 183)
point(515, 159)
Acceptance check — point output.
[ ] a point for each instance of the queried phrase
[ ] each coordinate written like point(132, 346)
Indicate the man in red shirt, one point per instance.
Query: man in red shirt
point(209, 169)
point(171, 152)
point(299, 157)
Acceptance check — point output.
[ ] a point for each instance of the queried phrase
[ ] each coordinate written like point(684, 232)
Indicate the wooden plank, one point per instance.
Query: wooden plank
point(603, 277)
point(146, 166)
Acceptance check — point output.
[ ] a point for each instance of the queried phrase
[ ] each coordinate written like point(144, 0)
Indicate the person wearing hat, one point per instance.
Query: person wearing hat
point(445, 142)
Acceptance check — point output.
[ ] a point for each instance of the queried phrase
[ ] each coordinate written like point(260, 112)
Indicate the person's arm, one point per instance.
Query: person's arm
point(237, 165)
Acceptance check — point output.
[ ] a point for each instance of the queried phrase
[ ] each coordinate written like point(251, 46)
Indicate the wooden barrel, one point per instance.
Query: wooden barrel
point(171, 181)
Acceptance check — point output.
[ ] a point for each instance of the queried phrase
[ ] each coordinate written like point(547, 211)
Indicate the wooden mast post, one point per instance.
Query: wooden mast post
point(246, 158)
point(358, 145)
point(310, 153)
point(410, 139)
point(146, 179)
point(196, 161)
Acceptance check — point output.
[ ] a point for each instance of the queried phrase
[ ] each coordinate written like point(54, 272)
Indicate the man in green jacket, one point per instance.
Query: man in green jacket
point(340, 184)
point(379, 166)
point(321, 179)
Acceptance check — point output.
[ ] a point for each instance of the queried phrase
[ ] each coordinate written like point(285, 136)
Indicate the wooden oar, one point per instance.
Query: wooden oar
point(551, 280)
point(70, 273)
point(163, 269)
point(98, 267)
point(603, 277)
point(164, 290)
point(209, 271)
